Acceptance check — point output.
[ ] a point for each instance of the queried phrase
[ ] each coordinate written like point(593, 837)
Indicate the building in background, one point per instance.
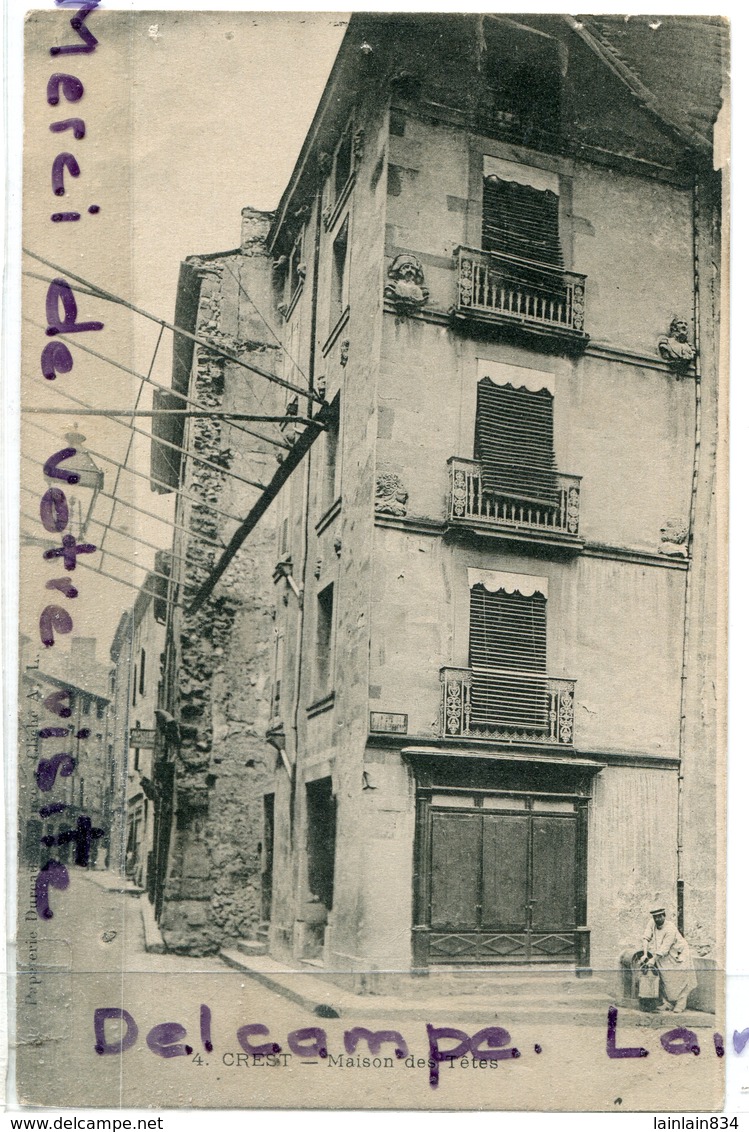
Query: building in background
point(88, 790)
point(137, 652)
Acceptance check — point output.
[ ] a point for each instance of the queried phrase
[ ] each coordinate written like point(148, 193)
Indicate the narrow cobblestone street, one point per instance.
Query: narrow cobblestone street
point(68, 974)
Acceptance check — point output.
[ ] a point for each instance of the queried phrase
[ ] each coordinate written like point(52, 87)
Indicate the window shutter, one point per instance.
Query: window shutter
point(514, 442)
point(508, 632)
point(521, 221)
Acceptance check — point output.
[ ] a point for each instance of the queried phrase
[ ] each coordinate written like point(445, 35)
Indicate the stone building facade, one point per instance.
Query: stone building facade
point(487, 676)
point(497, 696)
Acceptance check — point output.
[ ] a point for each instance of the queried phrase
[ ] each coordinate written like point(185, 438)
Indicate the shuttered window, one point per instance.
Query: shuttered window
point(508, 632)
point(520, 221)
point(514, 442)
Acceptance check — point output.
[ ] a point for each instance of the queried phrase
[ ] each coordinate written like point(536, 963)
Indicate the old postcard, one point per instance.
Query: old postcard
point(372, 689)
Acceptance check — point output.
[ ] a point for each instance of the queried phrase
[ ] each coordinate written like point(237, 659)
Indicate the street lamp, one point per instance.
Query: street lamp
point(81, 496)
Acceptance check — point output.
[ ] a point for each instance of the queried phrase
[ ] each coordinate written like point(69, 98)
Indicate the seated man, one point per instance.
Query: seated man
point(664, 942)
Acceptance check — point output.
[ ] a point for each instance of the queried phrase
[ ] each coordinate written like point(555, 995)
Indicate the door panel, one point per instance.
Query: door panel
point(456, 853)
point(504, 853)
point(500, 887)
point(553, 872)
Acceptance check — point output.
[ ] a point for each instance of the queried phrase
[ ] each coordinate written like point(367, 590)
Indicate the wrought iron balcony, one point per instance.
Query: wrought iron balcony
point(470, 505)
point(535, 297)
point(514, 707)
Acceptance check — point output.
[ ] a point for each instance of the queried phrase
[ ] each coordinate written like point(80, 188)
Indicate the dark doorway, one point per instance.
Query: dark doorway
point(163, 815)
point(321, 822)
point(266, 875)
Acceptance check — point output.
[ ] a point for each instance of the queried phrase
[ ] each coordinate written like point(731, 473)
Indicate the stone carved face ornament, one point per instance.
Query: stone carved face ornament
point(675, 347)
point(674, 536)
point(390, 495)
point(406, 290)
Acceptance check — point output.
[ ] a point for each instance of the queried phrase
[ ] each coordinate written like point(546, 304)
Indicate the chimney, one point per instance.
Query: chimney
point(255, 228)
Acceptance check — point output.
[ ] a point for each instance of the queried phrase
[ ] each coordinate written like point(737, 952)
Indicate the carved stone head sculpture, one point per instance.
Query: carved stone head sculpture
point(674, 536)
point(675, 347)
point(405, 288)
point(390, 495)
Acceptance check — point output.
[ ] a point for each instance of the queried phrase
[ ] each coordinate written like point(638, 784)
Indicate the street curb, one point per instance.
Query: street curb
point(111, 882)
point(327, 1000)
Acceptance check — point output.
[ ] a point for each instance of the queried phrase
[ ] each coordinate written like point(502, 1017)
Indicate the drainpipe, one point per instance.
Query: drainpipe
point(688, 584)
point(307, 488)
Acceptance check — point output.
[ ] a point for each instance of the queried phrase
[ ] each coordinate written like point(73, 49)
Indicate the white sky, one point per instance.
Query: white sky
point(190, 116)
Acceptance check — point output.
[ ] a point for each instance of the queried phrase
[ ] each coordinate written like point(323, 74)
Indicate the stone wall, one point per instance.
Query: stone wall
point(222, 699)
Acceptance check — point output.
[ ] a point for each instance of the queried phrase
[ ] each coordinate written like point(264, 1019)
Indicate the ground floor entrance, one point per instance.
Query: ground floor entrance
point(500, 876)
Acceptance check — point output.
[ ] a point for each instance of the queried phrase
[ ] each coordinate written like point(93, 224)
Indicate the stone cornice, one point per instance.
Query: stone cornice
point(594, 349)
point(436, 528)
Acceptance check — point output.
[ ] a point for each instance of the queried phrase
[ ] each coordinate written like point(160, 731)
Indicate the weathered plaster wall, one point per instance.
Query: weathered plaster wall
point(632, 238)
point(358, 471)
point(337, 550)
point(614, 627)
point(704, 787)
point(387, 834)
point(631, 858)
point(639, 224)
point(627, 430)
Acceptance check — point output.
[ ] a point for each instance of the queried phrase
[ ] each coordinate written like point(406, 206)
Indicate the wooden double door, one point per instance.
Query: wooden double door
point(501, 879)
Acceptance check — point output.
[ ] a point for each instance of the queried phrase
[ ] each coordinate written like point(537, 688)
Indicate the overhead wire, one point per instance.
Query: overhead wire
point(131, 585)
point(148, 478)
point(112, 554)
point(130, 440)
point(108, 296)
point(149, 435)
point(120, 531)
point(150, 381)
point(160, 519)
point(262, 399)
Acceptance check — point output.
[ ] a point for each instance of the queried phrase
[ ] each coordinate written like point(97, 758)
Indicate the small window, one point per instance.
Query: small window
point(454, 801)
point(324, 637)
point(339, 275)
point(86, 707)
point(142, 681)
point(296, 269)
point(99, 709)
point(553, 806)
point(524, 77)
point(343, 161)
point(329, 451)
point(504, 802)
point(135, 684)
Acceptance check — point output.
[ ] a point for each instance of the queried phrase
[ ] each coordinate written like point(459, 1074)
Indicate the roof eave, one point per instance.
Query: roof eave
point(313, 133)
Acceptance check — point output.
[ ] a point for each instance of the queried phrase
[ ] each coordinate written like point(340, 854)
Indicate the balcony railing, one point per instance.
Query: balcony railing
point(532, 295)
point(469, 503)
point(516, 707)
